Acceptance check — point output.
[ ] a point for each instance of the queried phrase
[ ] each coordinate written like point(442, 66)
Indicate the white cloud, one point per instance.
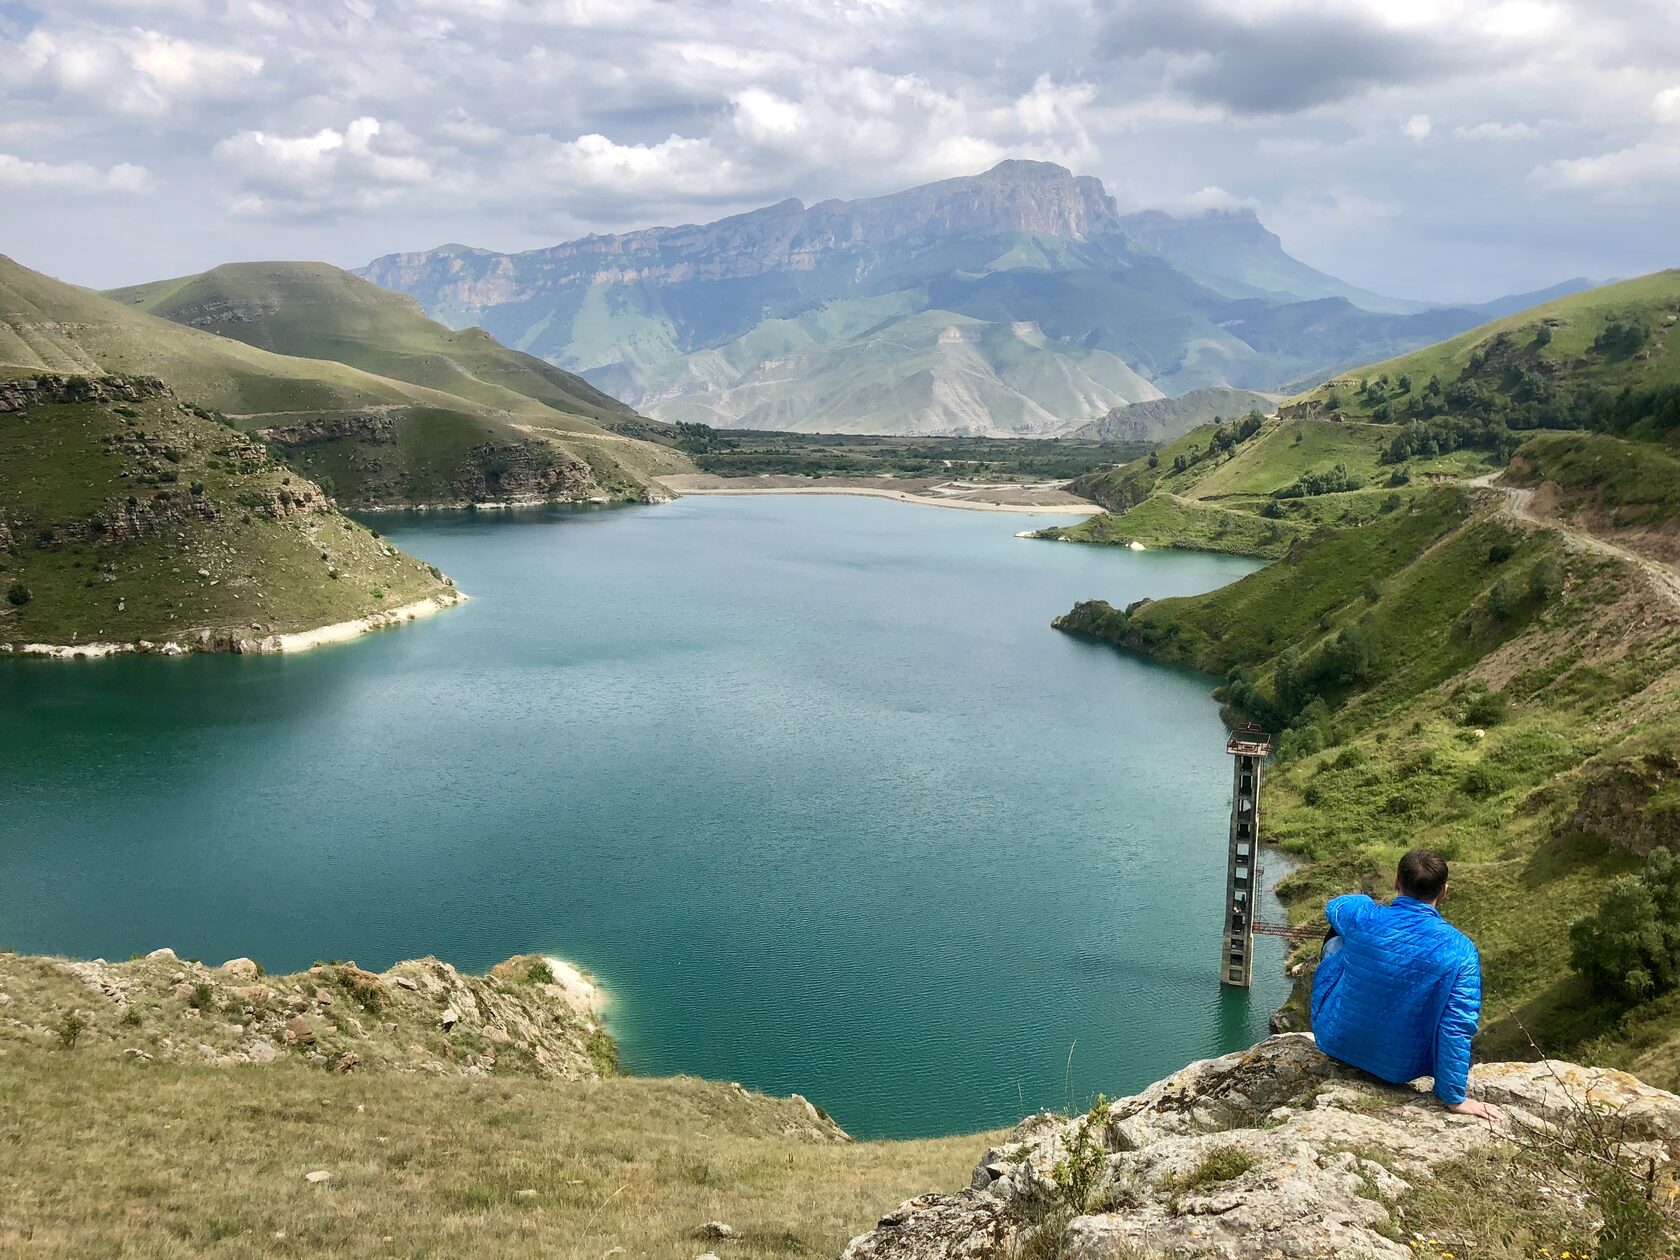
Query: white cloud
point(1210, 200)
point(326, 171)
point(1497, 131)
point(79, 177)
point(130, 71)
point(1665, 106)
point(1417, 127)
point(1652, 166)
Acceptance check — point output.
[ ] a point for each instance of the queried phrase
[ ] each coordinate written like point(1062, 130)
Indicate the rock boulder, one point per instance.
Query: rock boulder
point(1276, 1151)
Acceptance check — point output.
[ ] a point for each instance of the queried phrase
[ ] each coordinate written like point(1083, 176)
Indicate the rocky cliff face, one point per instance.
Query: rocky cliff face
point(1278, 1152)
point(789, 236)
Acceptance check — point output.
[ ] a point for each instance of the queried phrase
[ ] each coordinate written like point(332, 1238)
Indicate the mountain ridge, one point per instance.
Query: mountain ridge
point(1016, 302)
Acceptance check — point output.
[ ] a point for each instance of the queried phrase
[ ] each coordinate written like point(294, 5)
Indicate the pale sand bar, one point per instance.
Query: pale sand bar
point(1047, 497)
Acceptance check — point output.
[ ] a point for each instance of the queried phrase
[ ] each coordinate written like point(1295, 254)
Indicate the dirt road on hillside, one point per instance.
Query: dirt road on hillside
point(1519, 502)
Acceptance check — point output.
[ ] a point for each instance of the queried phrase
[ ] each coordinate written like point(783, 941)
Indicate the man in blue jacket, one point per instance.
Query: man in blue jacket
point(1399, 989)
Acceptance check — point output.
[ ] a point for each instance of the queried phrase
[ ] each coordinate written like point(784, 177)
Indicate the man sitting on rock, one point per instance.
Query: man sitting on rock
point(1399, 989)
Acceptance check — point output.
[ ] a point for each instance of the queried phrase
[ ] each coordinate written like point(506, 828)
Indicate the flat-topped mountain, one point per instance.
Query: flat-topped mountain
point(1019, 301)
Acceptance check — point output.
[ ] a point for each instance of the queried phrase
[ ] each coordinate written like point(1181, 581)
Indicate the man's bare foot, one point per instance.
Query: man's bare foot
point(1481, 1110)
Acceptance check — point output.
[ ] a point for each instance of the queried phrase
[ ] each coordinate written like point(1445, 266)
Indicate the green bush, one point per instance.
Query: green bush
point(1629, 948)
point(70, 1030)
point(17, 594)
point(1488, 709)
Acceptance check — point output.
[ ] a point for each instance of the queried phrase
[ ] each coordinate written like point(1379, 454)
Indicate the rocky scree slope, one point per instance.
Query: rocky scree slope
point(1277, 1152)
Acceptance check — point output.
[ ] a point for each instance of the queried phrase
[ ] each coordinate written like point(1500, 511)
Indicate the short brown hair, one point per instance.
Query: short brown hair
point(1423, 874)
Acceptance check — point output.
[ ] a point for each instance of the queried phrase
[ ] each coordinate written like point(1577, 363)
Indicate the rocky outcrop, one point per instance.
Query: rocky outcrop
point(418, 1016)
point(1273, 1152)
point(1631, 803)
point(372, 427)
point(48, 388)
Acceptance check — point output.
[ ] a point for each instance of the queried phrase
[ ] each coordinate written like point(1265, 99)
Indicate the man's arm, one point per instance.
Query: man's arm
point(1452, 1042)
point(1345, 911)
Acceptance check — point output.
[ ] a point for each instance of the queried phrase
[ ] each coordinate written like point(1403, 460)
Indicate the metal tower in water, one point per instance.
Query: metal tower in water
point(1248, 748)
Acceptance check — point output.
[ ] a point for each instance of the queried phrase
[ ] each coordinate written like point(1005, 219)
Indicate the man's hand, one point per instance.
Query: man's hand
point(1481, 1110)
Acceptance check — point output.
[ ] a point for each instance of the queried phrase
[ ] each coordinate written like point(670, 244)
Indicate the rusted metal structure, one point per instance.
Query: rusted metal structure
point(1248, 747)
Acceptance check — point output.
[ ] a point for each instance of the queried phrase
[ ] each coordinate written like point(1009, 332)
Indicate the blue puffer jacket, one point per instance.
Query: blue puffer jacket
point(1398, 993)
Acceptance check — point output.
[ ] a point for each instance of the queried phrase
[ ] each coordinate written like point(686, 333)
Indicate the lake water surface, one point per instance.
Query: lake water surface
point(809, 783)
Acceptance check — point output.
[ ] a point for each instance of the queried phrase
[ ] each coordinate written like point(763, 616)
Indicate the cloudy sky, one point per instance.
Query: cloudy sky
point(1425, 148)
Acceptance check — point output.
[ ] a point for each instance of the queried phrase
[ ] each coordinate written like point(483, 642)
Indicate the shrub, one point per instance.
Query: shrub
point(1078, 1173)
point(1483, 781)
point(17, 594)
point(1629, 948)
point(1488, 709)
point(1545, 580)
point(203, 997)
point(1502, 600)
point(537, 971)
point(70, 1030)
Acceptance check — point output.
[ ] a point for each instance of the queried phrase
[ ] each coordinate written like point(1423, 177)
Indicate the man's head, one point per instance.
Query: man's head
point(1422, 876)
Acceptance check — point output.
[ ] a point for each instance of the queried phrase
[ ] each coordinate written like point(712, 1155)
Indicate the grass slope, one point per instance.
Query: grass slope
point(133, 516)
point(379, 440)
point(1377, 650)
point(1215, 489)
point(1601, 359)
point(316, 311)
point(1551, 357)
point(1165, 520)
point(439, 1141)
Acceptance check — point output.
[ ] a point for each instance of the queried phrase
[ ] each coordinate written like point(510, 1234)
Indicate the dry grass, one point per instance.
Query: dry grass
point(100, 1157)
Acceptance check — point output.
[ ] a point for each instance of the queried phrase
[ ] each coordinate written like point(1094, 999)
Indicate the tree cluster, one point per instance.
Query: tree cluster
point(1333, 480)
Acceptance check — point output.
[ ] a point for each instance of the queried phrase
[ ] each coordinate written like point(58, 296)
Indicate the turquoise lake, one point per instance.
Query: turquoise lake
point(808, 783)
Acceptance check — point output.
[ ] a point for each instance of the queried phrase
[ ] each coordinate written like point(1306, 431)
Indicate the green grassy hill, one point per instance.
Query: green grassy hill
point(1252, 485)
point(368, 439)
point(316, 311)
point(127, 515)
point(1550, 366)
point(1452, 674)
point(494, 1135)
point(1595, 360)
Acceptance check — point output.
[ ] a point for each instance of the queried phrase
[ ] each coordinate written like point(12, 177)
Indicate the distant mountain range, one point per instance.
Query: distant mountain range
point(1015, 302)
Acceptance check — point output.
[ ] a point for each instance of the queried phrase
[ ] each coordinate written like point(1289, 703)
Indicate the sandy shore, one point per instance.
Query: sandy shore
point(343, 631)
point(296, 641)
point(1041, 498)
